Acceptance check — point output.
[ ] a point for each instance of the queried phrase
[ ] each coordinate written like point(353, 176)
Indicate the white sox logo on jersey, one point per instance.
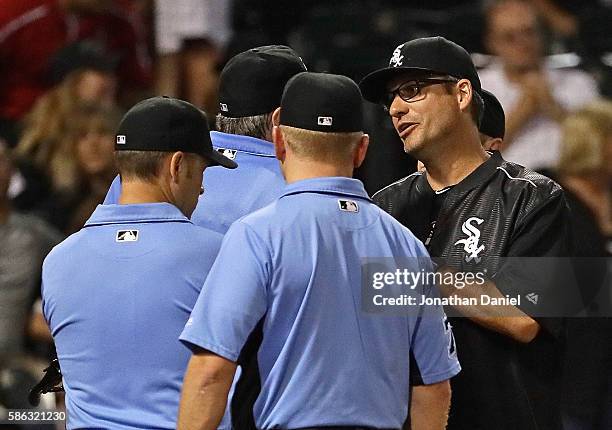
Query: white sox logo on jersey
point(470, 245)
point(397, 58)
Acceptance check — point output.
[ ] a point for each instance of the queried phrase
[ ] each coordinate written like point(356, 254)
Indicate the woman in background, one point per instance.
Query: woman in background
point(90, 141)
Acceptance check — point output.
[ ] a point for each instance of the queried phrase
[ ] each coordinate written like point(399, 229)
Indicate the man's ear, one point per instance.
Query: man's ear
point(279, 143)
point(177, 163)
point(361, 150)
point(276, 117)
point(465, 94)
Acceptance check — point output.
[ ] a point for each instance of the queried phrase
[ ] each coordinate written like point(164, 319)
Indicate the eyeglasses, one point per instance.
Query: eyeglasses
point(410, 90)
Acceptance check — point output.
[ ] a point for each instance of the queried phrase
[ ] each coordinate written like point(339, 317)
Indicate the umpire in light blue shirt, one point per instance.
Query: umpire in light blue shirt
point(292, 271)
point(117, 294)
point(250, 89)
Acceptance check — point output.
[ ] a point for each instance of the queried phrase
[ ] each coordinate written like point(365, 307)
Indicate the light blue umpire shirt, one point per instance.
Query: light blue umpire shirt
point(295, 266)
point(116, 296)
point(230, 195)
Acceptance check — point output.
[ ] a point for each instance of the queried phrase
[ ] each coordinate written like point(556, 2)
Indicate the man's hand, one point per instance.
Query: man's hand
point(536, 97)
point(505, 319)
point(429, 405)
point(535, 85)
point(205, 388)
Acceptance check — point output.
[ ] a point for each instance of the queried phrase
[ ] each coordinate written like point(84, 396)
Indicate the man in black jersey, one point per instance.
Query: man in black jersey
point(471, 208)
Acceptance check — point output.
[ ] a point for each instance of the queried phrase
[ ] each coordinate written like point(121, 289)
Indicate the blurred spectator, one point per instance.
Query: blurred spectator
point(568, 17)
point(546, 95)
point(584, 165)
point(25, 241)
point(190, 38)
point(45, 143)
point(32, 32)
point(89, 145)
point(560, 20)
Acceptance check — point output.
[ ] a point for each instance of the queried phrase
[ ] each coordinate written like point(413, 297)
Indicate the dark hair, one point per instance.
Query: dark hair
point(143, 165)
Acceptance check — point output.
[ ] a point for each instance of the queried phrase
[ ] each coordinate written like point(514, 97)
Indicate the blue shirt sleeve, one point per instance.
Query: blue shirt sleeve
point(112, 196)
point(234, 297)
point(433, 349)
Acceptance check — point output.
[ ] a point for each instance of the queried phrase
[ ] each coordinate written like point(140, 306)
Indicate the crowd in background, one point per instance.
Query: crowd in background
point(69, 68)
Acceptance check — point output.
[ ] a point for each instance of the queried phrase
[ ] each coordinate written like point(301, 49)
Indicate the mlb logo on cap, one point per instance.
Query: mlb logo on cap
point(325, 120)
point(120, 139)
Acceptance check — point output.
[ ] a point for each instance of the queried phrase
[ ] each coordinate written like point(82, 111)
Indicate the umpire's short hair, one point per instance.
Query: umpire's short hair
point(258, 126)
point(139, 165)
point(321, 146)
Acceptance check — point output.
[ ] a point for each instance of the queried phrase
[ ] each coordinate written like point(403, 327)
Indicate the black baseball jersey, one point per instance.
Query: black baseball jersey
point(499, 210)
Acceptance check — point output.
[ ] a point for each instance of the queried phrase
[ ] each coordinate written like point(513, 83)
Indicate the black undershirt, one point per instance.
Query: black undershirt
point(436, 204)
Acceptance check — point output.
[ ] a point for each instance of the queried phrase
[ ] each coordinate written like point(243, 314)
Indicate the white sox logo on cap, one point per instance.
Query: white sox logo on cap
point(397, 58)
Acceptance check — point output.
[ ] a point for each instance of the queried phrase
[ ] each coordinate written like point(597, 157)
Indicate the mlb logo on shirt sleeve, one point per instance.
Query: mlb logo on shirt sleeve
point(126, 236)
point(348, 206)
point(120, 139)
point(325, 120)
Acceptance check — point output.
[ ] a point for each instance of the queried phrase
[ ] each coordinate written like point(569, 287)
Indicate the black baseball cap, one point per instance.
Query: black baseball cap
point(167, 124)
point(493, 122)
point(428, 55)
point(322, 102)
point(252, 82)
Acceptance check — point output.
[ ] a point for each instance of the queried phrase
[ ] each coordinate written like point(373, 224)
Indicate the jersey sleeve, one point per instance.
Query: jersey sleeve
point(536, 267)
point(112, 196)
point(433, 352)
point(234, 297)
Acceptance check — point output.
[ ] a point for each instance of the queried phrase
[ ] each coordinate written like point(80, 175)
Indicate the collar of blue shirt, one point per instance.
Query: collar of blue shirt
point(328, 185)
point(248, 144)
point(148, 212)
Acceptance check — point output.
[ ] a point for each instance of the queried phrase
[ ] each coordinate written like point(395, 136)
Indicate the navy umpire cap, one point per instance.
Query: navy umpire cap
point(493, 122)
point(322, 102)
point(429, 55)
point(252, 82)
point(167, 124)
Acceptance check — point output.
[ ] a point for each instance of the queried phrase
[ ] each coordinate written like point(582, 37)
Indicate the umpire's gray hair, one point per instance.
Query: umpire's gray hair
point(259, 126)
